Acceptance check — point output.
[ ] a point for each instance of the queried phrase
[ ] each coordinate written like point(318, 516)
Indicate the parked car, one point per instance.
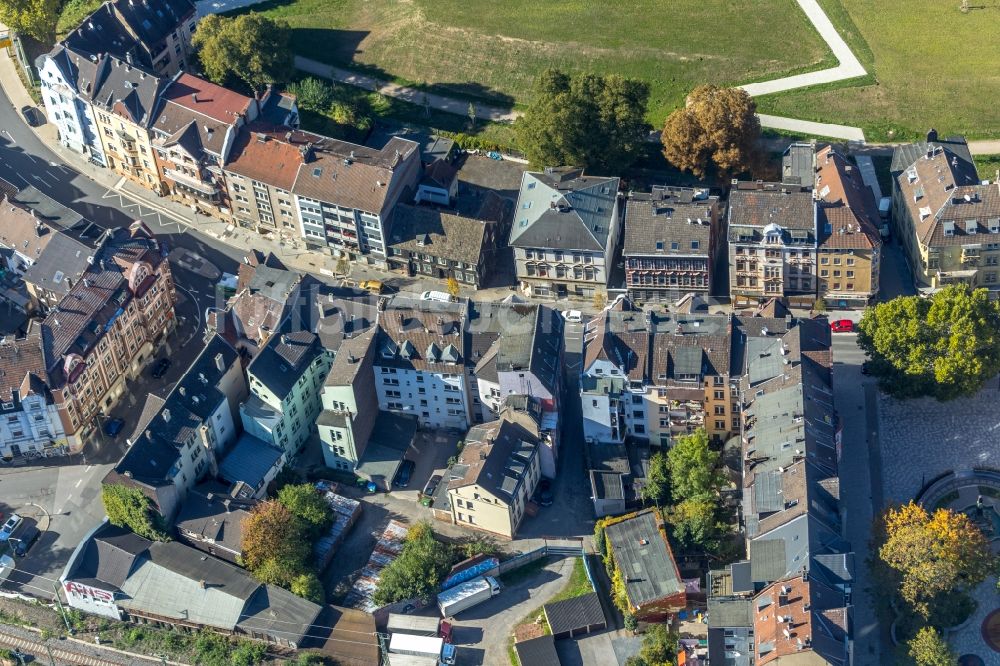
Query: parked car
point(842, 326)
point(32, 116)
point(374, 286)
point(113, 426)
point(543, 493)
point(160, 367)
point(25, 540)
point(573, 316)
point(431, 485)
point(402, 478)
point(436, 296)
point(9, 526)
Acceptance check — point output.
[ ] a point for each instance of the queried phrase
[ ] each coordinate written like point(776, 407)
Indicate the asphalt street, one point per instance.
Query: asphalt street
point(857, 409)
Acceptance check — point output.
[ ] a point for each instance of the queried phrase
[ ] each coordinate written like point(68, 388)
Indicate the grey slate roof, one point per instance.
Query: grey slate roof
point(444, 233)
point(125, 28)
point(279, 613)
point(670, 221)
point(607, 485)
point(754, 207)
point(575, 613)
point(109, 556)
point(283, 360)
point(767, 560)
point(539, 651)
point(562, 208)
point(189, 403)
point(206, 515)
point(126, 88)
point(644, 557)
point(249, 461)
point(499, 454)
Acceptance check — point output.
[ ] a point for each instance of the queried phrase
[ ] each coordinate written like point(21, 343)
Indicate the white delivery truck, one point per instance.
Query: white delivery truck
point(421, 646)
point(410, 660)
point(468, 594)
point(413, 624)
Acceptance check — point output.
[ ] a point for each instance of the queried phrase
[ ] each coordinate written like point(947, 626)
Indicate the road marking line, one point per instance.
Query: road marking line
point(77, 485)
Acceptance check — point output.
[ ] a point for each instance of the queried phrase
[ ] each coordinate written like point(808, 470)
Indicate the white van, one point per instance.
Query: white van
point(436, 296)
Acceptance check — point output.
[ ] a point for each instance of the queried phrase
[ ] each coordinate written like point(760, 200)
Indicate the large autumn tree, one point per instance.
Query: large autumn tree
point(250, 47)
point(36, 18)
point(716, 128)
point(586, 120)
point(933, 554)
point(945, 346)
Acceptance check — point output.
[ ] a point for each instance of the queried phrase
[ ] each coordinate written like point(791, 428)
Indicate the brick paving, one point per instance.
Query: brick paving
point(923, 438)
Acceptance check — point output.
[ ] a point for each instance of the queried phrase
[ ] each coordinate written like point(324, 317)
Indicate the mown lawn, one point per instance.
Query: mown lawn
point(493, 50)
point(933, 67)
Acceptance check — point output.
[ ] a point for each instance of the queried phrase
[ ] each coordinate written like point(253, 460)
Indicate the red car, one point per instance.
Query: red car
point(842, 326)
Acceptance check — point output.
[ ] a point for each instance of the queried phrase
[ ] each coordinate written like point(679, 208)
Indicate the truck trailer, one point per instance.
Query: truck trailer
point(466, 595)
point(422, 646)
point(413, 624)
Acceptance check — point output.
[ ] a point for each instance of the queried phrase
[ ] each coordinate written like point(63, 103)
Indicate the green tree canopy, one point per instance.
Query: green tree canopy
point(306, 504)
point(590, 121)
point(717, 126)
point(312, 94)
point(945, 346)
point(694, 467)
point(657, 487)
point(251, 47)
point(419, 569)
point(695, 521)
point(928, 648)
point(308, 586)
point(659, 646)
point(36, 18)
point(128, 507)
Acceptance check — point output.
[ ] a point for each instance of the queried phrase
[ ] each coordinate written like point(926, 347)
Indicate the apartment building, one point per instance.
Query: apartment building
point(155, 34)
point(565, 230)
point(67, 79)
point(345, 195)
point(180, 438)
point(496, 473)
point(420, 362)
point(947, 220)
point(658, 376)
point(516, 354)
point(29, 420)
point(350, 402)
point(671, 243)
point(449, 243)
point(260, 173)
point(124, 101)
point(194, 130)
point(23, 237)
point(285, 379)
point(772, 234)
point(850, 248)
point(109, 325)
point(789, 600)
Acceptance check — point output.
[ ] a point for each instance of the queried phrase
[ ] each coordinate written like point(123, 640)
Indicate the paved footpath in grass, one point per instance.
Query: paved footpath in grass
point(420, 98)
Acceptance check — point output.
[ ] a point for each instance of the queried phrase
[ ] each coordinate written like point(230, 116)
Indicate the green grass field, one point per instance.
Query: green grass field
point(493, 50)
point(933, 66)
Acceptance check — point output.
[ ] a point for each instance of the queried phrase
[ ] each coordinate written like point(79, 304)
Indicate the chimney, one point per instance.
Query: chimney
point(182, 390)
point(226, 504)
point(201, 584)
point(194, 97)
point(284, 339)
point(219, 365)
point(166, 415)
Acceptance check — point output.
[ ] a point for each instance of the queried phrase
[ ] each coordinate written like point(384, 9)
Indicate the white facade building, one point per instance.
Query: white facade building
point(63, 74)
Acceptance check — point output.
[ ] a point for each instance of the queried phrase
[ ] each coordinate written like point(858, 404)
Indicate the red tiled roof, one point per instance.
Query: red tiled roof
point(269, 154)
point(206, 98)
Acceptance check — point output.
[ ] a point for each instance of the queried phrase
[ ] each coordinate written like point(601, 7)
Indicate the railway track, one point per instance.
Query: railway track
point(61, 654)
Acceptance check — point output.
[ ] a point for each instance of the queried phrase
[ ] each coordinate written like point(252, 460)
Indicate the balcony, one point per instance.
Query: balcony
point(191, 182)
